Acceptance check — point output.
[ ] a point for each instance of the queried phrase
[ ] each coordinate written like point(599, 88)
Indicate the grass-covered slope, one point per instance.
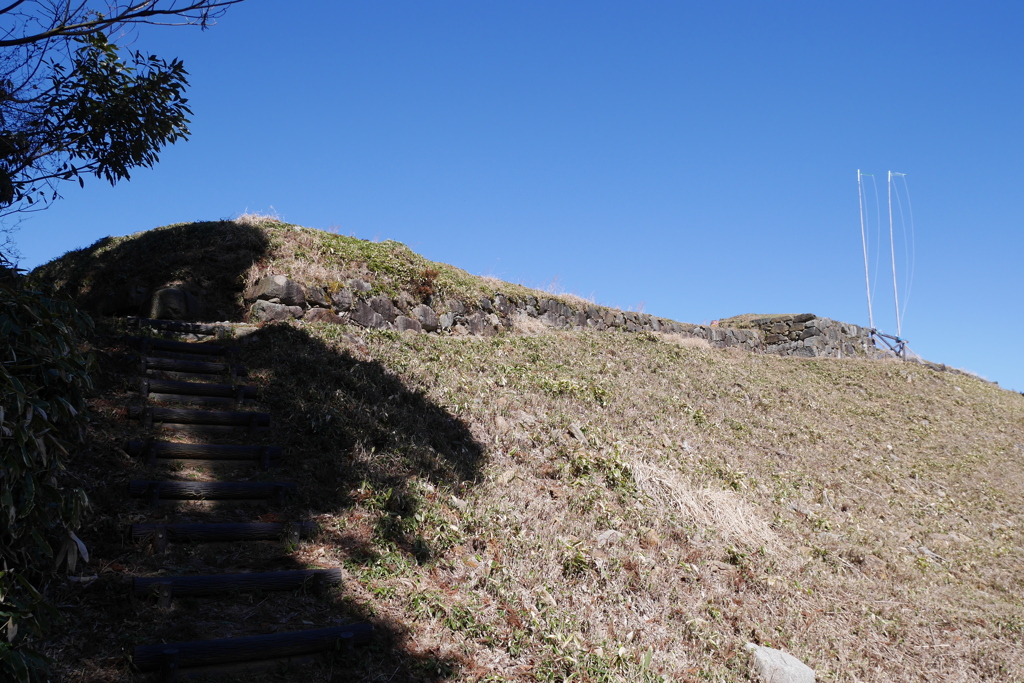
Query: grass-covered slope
point(602, 507)
point(633, 509)
point(217, 260)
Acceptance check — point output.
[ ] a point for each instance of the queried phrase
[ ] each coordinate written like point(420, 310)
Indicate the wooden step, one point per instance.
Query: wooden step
point(156, 491)
point(181, 355)
point(177, 326)
point(239, 418)
point(152, 451)
point(207, 431)
point(151, 343)
point(195, 367)
point(171, 657)
point(222, 532)
point(167, 587)
point(148, 385)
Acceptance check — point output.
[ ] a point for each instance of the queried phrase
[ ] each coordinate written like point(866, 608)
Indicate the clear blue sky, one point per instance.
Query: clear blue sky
point(695, 158)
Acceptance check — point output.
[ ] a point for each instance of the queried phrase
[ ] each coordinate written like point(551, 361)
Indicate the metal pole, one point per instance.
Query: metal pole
point(864, 243)
point(892, 252)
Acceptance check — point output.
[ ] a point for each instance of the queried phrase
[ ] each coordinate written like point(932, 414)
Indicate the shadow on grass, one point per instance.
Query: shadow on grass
point(117, 276)
point(354, 433)
point(361, 445)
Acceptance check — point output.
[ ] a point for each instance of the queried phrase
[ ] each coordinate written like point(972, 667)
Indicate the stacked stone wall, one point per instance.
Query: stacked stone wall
point(277, 298)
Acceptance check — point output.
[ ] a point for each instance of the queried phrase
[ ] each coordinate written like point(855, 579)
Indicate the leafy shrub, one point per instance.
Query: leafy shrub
point(43, 377)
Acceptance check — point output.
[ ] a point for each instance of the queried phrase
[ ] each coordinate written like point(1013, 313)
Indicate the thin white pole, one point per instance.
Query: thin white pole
point(864, 243)
point(892, 253)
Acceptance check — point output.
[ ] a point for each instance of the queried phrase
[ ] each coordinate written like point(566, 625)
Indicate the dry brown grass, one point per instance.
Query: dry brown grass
point(554, 506)
point(638, 496)
point(684, 341)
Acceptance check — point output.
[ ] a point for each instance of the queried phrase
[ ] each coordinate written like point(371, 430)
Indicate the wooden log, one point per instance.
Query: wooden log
point(208, 431)
point(202, 451)
point(202, 417)
point(211, 401)
point(207, 490)
point(246, 582)
point(177, 326)
point(192, 366)
point(147, 343)
point(182, 355)
point(224, 532)
point(271, 646)
point(168, 386)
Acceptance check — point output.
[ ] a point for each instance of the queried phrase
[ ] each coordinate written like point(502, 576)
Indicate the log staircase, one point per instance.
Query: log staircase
point(173, 374)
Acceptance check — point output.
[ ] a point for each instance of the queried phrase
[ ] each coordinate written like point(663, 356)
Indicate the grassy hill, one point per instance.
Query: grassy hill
point(585, 506)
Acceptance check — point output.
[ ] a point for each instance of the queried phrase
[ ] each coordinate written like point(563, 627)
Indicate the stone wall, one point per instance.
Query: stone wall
point(276, 297)
point(809, 336)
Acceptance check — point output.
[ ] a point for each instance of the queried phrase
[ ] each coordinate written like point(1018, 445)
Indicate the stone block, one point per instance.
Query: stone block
point(446, 320)
point(481, 324)
point(358, 285)
point(382, 304)
point(406, 324)
point(803, 317)
point(317, 296)
point(531, 311)
point(776, 666)
point(265, 311)
point(426, 317)
point(277, 287)
point(486, 305)
point(342, 299)
point(455, 306)
point(503, 305)
point(364, 315)
point(174, 303)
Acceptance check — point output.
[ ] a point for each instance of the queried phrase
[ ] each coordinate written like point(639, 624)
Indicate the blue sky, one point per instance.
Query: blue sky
point(695, 159)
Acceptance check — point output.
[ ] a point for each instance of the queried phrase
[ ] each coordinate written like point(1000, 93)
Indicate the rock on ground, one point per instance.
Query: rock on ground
point(265, 311)
point(776, 666)
point(277, 287)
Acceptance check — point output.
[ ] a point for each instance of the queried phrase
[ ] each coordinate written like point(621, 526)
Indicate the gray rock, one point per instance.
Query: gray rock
point(447, 320)
point(363, 315)
point(265, 311)
point(803, 317)
point(277, 287)
point(455, 306)
point(358, 285)
point(550, 318)
point(322, 315)
point(383, 305)
point(318, 296)
point(405, 301)
point(580, 319)
point(503, 305)
point(173, 303)
point(485, 305)
point(481, 324)
point(776, 666)
point(531, 311)
point(342, 299)
point(426, 317)
point(531, 301)
point(405, 324)
point(132, 298)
